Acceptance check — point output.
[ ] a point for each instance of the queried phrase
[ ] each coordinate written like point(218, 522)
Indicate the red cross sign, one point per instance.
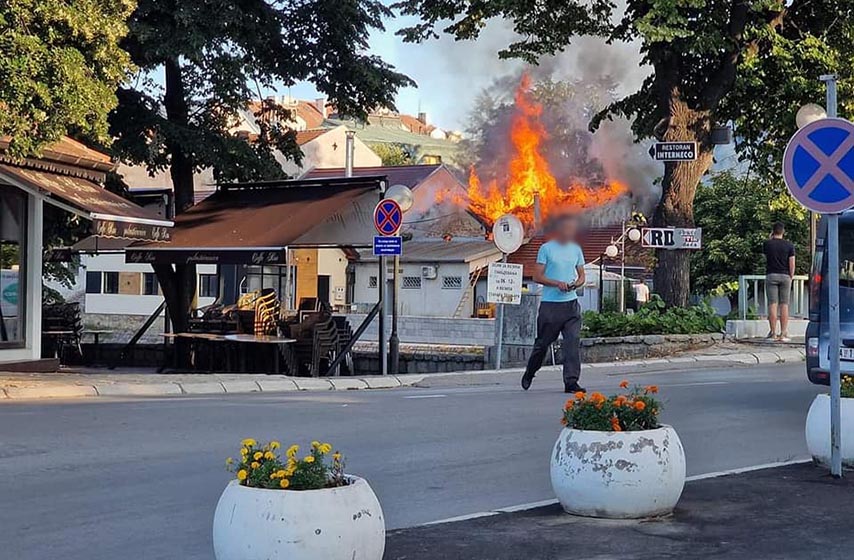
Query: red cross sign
point(388, 217)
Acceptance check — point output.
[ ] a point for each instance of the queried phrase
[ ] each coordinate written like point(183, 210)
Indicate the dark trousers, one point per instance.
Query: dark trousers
point(553, 319)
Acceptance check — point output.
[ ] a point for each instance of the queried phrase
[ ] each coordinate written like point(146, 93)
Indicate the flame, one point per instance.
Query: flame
point(528, 173)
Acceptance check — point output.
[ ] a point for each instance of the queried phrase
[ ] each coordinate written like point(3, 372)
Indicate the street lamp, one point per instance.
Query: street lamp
point(809, 113)
point(403, 196)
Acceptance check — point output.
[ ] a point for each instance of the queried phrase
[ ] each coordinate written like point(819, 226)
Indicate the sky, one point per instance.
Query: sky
point(449, 74)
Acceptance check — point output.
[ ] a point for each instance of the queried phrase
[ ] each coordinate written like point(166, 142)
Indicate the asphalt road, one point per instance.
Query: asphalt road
point(100, 480)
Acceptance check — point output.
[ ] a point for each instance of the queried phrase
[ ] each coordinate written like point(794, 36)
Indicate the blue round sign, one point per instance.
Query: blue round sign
point(388, 217)
point(818, 165)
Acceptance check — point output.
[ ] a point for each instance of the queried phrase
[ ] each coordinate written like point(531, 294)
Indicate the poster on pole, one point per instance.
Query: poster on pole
point(504, 284)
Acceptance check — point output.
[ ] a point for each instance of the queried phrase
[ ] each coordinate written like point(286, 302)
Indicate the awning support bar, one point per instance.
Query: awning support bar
point(356, 335)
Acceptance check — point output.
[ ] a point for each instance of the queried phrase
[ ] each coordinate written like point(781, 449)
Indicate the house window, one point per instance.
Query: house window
point(13, 266)
point(411, 283)
point(149, 284)
point(208, 285)
point(452, 282)
point(372, 282)
point(111, 282)
point(93, 282)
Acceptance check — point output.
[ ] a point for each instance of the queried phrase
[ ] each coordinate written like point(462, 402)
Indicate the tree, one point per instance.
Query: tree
point(736, 214)
point(60, 65)
point(214, 56)
point(713, 61)
point(394, 154)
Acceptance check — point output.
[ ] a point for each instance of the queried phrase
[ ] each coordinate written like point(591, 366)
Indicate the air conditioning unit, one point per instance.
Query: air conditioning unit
point(429, 272)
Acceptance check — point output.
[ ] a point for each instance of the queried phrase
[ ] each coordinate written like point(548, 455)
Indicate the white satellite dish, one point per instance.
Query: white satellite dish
point(400, 194)
point(508, 233)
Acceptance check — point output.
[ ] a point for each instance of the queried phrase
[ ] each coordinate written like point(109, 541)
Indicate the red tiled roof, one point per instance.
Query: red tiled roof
point(593, 242)
point(70, 152)
point(306, 136)
point(409, 175)
point(305, 110)
point(415, 125)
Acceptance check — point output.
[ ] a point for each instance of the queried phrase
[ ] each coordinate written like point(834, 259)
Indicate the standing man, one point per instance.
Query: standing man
point(779, 270)
point(641, 294)
point(560, 270)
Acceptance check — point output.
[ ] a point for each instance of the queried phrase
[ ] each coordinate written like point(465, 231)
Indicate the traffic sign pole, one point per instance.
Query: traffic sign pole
point(833, 304)
point(499, 331)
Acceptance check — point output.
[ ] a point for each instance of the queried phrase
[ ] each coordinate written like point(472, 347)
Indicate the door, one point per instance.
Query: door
point(323, 288)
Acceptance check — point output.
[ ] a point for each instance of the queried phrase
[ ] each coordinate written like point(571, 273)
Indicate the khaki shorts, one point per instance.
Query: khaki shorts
point(778, 288)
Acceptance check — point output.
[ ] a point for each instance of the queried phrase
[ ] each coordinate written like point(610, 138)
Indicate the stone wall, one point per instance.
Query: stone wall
point(123, 327)
point(433, 330)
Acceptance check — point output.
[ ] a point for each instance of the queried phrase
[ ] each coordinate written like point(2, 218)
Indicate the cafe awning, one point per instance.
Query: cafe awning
point(112, 216)
point(253, 223)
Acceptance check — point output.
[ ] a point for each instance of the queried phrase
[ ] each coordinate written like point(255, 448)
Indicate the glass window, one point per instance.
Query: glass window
point(93, 282)
point(13, 265)
point(208, 285)
point(149, 284)
point(111, 282)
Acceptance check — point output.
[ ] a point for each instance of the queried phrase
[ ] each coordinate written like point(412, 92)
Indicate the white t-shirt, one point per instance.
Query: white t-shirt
point(641, 293)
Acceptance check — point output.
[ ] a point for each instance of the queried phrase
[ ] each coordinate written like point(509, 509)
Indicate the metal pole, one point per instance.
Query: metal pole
point(383, 353)
point(833, 304)
point(623, 270)
point(394, 341)
point(601, 282)
point(499, 329)
point(288, 300)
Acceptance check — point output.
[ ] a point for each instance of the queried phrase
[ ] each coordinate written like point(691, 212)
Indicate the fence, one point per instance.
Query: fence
point(751, 295)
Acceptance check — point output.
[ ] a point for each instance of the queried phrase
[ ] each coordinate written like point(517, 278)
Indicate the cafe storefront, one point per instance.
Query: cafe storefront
point(69, 176)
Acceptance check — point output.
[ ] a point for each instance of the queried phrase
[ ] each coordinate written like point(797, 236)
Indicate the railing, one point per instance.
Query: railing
point(751, 295)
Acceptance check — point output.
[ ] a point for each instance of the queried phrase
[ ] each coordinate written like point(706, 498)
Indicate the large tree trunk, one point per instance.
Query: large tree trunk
point(178, 283)
point(676, 209)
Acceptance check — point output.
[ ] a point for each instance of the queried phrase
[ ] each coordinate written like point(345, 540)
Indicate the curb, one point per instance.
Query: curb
point(282, 384)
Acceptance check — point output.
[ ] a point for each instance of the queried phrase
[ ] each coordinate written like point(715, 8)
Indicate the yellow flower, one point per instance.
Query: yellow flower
point(309, 459)
point(292, 451)
point(281, 473)
point(290, 471)
point(255, 464)
point(244, 451)
point(229, 461)
point(257, 455)
point(284, 483)
point(241, 475)
point(324, 448)
point(274, 476)
point(315, 444)
point(269, 455)
point(248, 442)
point(275, 444)
point(336, 456)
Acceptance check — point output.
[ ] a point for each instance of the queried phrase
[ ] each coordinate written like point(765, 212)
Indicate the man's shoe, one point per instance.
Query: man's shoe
point(526, 381)
point(573, 388)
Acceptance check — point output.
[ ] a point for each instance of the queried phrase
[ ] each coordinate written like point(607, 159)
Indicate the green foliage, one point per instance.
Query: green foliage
point(219, 54)
point(60, 65)
point(636, 410)
point(261, 466)
point(736, 214)
point(847, 387)
point(655, 317)
point(394, 154)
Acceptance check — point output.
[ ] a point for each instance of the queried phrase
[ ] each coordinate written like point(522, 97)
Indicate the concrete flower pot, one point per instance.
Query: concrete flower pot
point(618, 475)
point(818, 430)
point(344, 523)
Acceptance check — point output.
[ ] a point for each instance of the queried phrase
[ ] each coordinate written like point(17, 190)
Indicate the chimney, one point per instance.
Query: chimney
point(422, 116)
point(349, 152)
point(320, 103)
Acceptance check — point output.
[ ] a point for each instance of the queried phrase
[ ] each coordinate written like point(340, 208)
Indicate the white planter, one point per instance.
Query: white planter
point(343, 523)
point(618, 475)
point(818, 430)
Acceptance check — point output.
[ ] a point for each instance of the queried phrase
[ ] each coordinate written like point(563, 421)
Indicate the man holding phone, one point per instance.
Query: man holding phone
point(560, 270)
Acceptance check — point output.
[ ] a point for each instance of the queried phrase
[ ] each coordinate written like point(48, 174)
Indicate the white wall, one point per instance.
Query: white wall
point(431, 300)
point(125, 304)
point(333, 263)
point(327, 150)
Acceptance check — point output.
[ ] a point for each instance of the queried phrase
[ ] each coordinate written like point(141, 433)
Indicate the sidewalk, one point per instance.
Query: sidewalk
point(137, 383)
point(793, 512)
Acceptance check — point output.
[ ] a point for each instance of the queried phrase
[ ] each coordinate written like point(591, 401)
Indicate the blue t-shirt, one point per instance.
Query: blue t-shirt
point(560, 262)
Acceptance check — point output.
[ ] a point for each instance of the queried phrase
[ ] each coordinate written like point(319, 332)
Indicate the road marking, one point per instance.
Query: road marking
point(425, 397)
point(695, 384)
point(545, 503)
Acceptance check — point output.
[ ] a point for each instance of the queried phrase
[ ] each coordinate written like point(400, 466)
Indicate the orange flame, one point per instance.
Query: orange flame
point(528, 173)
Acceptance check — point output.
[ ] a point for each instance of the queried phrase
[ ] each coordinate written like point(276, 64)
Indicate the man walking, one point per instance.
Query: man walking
point(641, 294)
point(779, 270)
point(560, 270)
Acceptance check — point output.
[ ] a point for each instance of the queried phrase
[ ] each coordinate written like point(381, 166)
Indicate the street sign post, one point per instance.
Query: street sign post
point(507, 234)
point(388, 245)
point(818, 167)
point(674, 151)
point(504, 283)
point(388, 217)
point(672, 238)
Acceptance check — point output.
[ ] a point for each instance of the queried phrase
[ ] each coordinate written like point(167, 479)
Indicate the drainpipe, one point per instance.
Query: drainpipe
point(349, 153)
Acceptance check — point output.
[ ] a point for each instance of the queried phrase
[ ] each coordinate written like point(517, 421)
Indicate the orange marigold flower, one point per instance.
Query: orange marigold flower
point(579, 395)
point(615, 424)
point(563, 421)
point(624, 383)
point(597, 397)
point(640, 405)
point(652, 389)
point(569, 403)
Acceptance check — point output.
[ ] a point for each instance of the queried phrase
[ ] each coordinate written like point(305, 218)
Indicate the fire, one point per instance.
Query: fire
point(528, 173)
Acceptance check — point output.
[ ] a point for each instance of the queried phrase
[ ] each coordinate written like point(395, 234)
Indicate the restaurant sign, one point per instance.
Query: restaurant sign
point(130, 230)
point(214, 256)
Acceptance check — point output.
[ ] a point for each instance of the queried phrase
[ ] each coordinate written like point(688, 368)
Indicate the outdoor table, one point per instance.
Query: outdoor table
point(280, 343)
point(60, 335)
point(96, 336)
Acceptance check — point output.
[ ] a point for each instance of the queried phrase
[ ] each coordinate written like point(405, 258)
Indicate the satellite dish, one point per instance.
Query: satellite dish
point(507, 233)
point(809, 113)
point(402, 195)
